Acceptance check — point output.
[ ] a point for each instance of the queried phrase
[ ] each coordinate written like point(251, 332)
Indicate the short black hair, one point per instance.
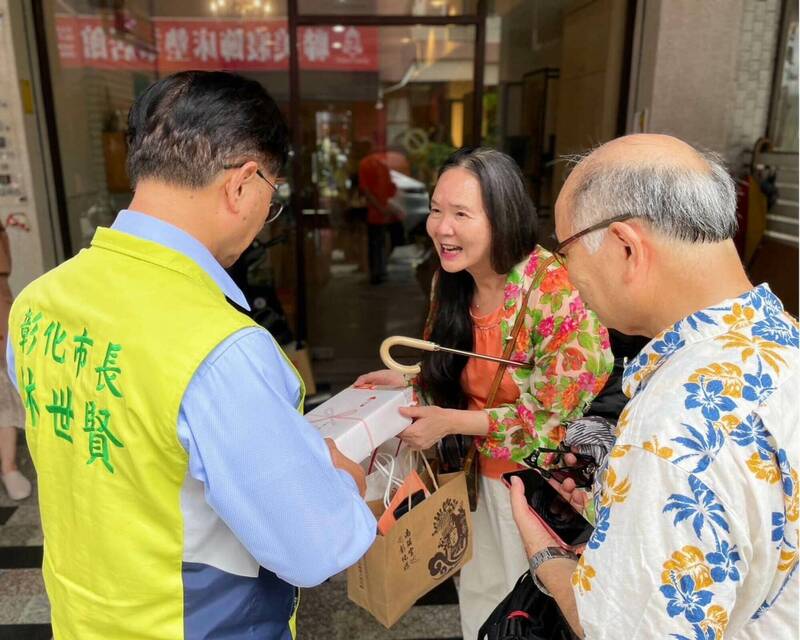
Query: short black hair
point(185, 127)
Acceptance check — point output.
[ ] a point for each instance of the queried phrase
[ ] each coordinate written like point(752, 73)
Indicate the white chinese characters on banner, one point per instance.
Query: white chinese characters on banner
point(94, 43)
point(280, 45)
point(121, 51)
point(241, 45)
point(231, 45)
point(205, 44)
point(259, 45)
point(316, 44)
point(352, 46)
point(176, 44)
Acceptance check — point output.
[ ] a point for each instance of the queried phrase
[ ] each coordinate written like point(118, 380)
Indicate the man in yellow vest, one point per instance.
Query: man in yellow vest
point(182, 494)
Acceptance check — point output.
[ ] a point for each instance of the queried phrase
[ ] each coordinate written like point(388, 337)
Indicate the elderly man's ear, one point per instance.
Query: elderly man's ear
point(631, 250)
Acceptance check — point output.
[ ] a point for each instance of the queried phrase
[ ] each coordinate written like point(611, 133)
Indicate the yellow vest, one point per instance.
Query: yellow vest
point(105, 346)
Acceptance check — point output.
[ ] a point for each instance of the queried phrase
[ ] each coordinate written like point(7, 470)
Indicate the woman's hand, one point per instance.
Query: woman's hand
point(430, 425)
point(383, 378)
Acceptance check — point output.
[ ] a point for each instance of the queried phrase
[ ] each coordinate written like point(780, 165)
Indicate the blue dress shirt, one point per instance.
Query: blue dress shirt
point(267, 472)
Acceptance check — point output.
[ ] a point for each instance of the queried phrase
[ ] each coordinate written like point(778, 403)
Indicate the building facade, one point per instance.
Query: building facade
point(539, 79)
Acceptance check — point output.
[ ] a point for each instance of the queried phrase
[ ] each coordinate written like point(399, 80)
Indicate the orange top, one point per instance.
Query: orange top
point(477, 378)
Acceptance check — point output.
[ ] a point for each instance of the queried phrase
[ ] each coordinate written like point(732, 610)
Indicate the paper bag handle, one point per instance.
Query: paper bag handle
point(431, 475)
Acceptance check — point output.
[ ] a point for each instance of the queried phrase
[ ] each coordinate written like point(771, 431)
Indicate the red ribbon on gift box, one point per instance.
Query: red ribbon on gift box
point(346, 415)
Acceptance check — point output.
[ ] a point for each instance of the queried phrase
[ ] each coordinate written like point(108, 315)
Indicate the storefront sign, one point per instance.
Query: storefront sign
point(241, 45)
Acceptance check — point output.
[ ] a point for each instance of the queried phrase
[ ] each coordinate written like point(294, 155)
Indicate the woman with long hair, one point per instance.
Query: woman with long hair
point(483, 226)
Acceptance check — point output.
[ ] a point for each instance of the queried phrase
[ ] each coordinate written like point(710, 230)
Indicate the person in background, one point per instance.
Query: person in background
point(375, 182)
point(12, 416)
point(182, 493)
point(483, 226)
point(696, 532)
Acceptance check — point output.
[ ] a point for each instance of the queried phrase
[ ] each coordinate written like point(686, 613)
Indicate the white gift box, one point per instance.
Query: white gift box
point(360, 420)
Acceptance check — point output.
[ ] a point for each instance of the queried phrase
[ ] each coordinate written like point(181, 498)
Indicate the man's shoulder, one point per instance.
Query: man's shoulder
point(24, 299)
point(729, 358)
point(732, 389)
point(244, 362)
point(250, 351)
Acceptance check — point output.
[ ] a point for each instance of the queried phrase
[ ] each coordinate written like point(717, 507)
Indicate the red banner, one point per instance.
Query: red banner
point(235, 45)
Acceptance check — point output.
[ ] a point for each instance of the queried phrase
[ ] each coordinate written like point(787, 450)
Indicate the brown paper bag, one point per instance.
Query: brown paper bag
point(426, 546)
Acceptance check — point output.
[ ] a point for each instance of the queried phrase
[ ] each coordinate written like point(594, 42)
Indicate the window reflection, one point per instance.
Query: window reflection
point(427, 8)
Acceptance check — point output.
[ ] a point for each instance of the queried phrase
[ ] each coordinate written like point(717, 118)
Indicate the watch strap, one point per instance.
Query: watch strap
point(540, 557)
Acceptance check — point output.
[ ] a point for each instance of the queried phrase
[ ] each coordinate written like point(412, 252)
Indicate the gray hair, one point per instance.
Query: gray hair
point(679, 202)
point(185, 128)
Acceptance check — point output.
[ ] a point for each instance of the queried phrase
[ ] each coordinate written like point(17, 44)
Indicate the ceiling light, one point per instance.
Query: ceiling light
point(338, 29)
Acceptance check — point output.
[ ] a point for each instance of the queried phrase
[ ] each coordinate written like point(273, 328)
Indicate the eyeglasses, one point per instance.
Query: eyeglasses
point(545, 461)
point(275, 208)
point(558, 252)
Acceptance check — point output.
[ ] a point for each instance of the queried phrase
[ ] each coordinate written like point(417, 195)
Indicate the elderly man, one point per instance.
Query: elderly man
point(182, 493)
point(697, 512)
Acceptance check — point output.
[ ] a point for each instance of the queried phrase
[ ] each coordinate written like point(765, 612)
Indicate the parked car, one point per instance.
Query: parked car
point(413, 198)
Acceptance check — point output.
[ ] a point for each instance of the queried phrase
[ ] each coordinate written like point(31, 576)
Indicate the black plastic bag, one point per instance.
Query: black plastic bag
point(526, 614)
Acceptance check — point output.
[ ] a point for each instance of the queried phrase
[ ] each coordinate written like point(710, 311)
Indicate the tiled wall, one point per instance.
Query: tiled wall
point(758, 37)
point(694, 69)
point(705, 71)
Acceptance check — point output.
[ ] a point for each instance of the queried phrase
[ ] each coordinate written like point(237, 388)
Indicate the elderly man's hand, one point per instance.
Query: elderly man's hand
point(340, 461)
point(534, 536)
point(578, 498)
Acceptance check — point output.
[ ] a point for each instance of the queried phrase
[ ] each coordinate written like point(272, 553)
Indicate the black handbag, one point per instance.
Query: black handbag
point(526, 614)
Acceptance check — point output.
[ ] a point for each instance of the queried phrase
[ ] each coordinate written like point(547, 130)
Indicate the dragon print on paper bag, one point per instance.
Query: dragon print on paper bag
point(450, 524)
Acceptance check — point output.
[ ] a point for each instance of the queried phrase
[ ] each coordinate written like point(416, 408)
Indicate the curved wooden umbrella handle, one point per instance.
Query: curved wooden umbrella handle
point(414, 343)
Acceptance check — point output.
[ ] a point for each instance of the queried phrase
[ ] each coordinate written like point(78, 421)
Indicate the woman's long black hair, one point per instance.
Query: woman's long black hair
point(512, 218)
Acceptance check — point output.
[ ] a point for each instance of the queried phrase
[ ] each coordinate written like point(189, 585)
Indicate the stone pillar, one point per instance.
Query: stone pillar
point(703, 71)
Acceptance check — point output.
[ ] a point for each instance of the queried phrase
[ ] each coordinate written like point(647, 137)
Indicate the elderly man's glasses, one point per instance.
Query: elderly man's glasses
point(275, 208)
point(558, 252)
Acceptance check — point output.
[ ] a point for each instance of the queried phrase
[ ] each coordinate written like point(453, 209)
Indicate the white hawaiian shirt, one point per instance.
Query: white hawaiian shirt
point(697, 515)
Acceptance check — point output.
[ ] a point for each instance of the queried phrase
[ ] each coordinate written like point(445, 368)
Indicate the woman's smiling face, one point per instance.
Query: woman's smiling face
point(458, 224)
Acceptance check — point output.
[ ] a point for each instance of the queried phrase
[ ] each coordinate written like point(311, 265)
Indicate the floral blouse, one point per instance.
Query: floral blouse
point(696, 534)
point(571, 354)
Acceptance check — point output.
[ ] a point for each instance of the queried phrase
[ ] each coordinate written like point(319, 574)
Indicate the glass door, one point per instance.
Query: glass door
point(375, 129)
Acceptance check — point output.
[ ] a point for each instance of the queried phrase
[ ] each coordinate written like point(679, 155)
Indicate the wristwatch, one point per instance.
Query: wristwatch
point(540, 557)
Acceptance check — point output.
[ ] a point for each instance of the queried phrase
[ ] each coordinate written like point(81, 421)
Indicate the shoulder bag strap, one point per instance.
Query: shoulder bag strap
point(512, 341)
point(510, 344)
